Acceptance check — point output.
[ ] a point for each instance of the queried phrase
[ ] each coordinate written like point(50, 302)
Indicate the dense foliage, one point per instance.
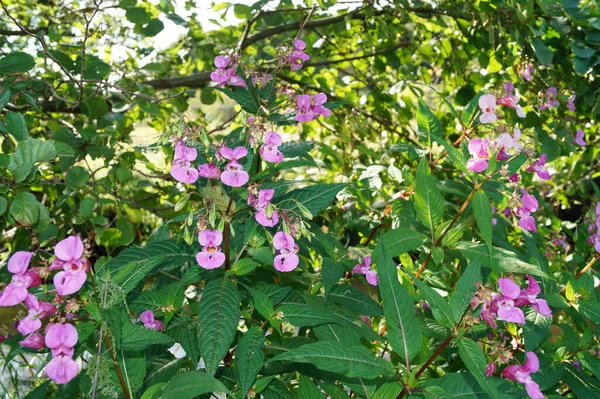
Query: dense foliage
point(370, 199)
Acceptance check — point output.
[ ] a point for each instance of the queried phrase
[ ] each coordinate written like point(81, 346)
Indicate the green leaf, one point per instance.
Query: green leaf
point(136, 338)
point(307, 389)
point(16, 62)
point(402, 240)
point(388, 390)
point(190, 384)
point(15, 125)
point(300, 315)
point(582, 385)
point(542, 52)
point(429, 203)
point(464, 385)
point(153, 28)
point(39, 392)
point(440, 308)
point(218, 315)
point(27, 154)
point(262, 303)
point(331, 272)
point(243, 97)
point(355, 300)
point(77, 176)
point(483, 215)
point(315, 198)
point(132, 274)
point(590, 310)
point(25, 209)
point(501, 259)
point(473, 357)
point(3, 205)
point(276, 390)
point(536, 329)
point(243, 266)
point(337, 357)
point(137, 15)
point(249, 357)
point(465, 288)
point(404, 333)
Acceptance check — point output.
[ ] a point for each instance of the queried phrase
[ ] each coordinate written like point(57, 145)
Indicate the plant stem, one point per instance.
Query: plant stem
point(582, 271)
point(452, 222)
point(226, 236)
point(113, 356)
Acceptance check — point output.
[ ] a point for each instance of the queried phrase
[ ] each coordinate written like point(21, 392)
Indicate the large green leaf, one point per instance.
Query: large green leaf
point(483, 215)
point(249, 357)
point(338, 358)
point(314, 198)
point(218, 316)
point(582, 385)
point(136, 337)
point(15, 125)
point(300, 315)
point(536, 329)
point(39, 392)
point(591, 310)
point(132, 274)
point(474, 358)
point(27, 154)
point(172, 253)
point(402, 240)
point(404, 333)
point(429, 203)
point(25, 209)
point(501, 259)
point(440, 308)
point(190, 384)
point(331, 271)
point(243, 97)
point(16, 62)
point(307, 389)
point(355, 300)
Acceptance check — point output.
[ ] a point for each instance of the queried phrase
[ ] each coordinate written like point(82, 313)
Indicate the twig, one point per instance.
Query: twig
point(582, 271)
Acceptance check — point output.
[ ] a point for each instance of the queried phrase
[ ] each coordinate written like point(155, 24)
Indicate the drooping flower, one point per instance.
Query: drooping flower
point(147, 318)
point(511, 99)
point(523, 373)
point(571, 103)
point(225, 72)
point(365, 268)
point(538, 167)
point(209, 171)
point(487, 104)
point(580, 138)
point(19, 262)
point(182, 168)
point(309, 108)
point(269, 150)
point(479, 150)
point(33, 341)
point(265, 214)
point(297, 56)
point(526, 71)
point(62, 369)
point(507, 310)
point(506, 141)
point(61, 338)
point(286, 259)
point(529, 205)
point(16, 291)
point(528, 296)
point(37, 311)
point(490, 369)
point(234, 175)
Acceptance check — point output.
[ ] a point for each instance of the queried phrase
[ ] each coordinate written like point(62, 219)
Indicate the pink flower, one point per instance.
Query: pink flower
point(33, 341)
point(365, 268)
point(234, 175)
point(225, 72)
point(270, 153)
point(147, 317)
point(62, 369)
point(523, 373)
point(529, 295)
point(526, 72)
point(286, 259)
point(530, 203)
point(183, 172)
point(297, 57)
point(267, 221)
point(507, 310)
point(210, 257)
point(222, 61)
point(183, 152)
point(234, 154)
point(209, 171)
point(19, 262)
point(61, 338)
point(580, 138)
point(210, 238)
point(514, 178)
point(571, 103)
point(505, 142)
point(511, 100)
point(538, 167)
point(309, 108)
point(69, 282)
point(487, 103)
point(272, 138)
point(478, 148)
point(490, 369)
point(551, 101)
point(69, 250)
point(264, 197)
point(16, 291)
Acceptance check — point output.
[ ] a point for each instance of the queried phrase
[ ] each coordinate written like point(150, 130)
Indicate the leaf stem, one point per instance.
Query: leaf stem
point(582, 271)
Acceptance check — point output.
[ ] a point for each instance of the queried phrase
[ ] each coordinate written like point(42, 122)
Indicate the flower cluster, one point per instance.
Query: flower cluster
point(511, 99)
point(61, 338)
point(23, 278)
point(538, 167)
point(147, 318)
point(529, 205)
point(265, 214)
point(233, 174)
point(479, 150)
point(225, 72)
point(269, 150)
point(550, 101)
point(286, 258)
point(506, 304)
point(365, 268)
point(31, 324)
point(309, 107)
point(211, 256)
point(594, 229)
point(182, 169)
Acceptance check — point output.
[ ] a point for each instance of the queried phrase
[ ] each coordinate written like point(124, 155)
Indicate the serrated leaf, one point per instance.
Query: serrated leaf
point(337, 357)
point(440, 308)
point(465, 288)
point(315, 198)
point(249, 357)
point(483, 215)
point(591, 310)
point(429, 203)
point(300, 315)
point(307, 389)
point(501, 259)
point(355, 300)
point(536, 329)
point(276, 390)
point(404, 333)
point(402, 240)
point(136, 337)
point(218, 316)
point(243, 97)
point(132, 274)
point(582, 385)
point(331, 272)
point(190, 384)
point(25, 209)
point(473, 357)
